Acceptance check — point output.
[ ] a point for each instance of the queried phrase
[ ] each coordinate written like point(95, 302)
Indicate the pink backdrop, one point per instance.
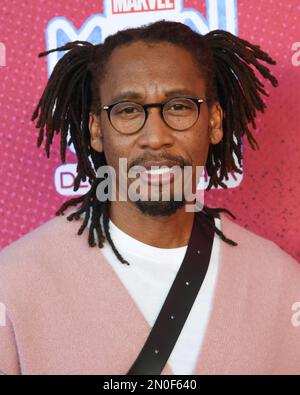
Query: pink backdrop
point(267, 200)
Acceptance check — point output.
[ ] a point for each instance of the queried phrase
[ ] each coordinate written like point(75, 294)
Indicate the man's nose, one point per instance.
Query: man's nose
point(155, 132)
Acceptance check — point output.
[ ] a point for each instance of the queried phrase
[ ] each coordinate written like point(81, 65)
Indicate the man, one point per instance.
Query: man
point(72, 309)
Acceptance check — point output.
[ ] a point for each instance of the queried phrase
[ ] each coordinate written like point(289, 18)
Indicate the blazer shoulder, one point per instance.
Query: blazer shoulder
point(260, 252)
point(46, 253)
point(58, 235)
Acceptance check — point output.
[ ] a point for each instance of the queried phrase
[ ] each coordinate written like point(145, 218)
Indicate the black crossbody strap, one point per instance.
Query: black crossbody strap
point(175, 310)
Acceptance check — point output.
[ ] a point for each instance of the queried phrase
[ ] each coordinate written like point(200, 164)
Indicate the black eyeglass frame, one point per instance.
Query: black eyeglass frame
point(108, 108)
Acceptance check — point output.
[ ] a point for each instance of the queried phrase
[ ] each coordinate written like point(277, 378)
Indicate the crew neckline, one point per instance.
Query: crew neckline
point(133, 246)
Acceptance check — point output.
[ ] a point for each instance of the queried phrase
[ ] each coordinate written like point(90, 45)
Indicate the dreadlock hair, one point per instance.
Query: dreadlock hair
point(229, 66)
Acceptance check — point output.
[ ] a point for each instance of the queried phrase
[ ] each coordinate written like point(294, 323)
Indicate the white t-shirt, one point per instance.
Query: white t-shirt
point(148, 280)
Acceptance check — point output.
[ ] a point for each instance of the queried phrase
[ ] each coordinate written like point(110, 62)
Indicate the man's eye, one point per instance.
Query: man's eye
point(178, 107)
point(127, 110)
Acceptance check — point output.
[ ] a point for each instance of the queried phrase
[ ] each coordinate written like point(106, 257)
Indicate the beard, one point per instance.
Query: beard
point(159, 208)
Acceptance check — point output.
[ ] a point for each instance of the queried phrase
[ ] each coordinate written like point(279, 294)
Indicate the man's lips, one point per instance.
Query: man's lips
point(158, 173)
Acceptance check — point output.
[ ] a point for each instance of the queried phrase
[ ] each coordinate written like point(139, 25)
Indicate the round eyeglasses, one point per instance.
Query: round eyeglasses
point(179, 113)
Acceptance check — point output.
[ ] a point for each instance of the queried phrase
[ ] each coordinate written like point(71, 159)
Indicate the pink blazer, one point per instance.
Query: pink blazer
point(68, 313)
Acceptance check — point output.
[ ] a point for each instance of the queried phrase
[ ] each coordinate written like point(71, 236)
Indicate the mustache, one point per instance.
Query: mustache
point(178, 160)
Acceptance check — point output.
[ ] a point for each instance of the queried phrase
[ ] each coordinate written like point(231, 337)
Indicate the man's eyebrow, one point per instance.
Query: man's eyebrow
point(126, 95)
point(133, 95)
point(180, 92)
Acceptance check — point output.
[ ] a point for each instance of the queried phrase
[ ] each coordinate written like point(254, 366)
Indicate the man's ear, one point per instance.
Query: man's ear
point(215, 123)
point(95, 132)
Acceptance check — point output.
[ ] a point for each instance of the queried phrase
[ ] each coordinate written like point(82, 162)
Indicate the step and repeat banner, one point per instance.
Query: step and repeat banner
point(265, 198)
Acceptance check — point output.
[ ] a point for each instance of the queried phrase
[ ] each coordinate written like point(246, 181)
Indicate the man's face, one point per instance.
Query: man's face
point(153, 73)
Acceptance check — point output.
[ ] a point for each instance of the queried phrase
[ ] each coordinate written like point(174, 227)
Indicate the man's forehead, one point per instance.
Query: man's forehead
point(139, 58)
point(142, 74)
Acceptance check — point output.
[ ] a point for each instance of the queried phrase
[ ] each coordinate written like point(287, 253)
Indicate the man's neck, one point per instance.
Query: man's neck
point(158, 231)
